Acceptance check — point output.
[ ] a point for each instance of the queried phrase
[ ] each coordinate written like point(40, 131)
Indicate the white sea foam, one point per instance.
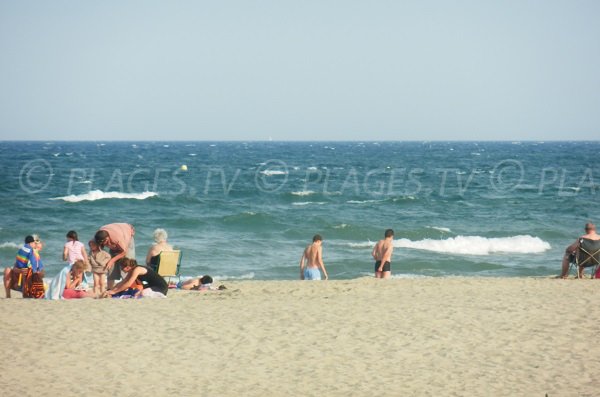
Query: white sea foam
point(10, 244)
point(342, 226)
point(100, 195)
point(302, 203)
point(363, 201)
point(476, 245)
point(441, 229)
point(303, 193)
point(247, 276)
point(367, 244)
point(273, 172)
point(471, 245)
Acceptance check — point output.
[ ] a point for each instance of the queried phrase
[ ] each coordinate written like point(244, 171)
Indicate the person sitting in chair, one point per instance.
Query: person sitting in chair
point(571, 251)
point(160, 245)
point(27, 257)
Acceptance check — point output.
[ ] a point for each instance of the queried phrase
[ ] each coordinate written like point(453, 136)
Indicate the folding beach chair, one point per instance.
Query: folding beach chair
point(168, 264)
point(588, 255)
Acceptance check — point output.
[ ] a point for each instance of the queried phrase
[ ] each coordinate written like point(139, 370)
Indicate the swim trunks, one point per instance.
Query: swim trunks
point(387, 266)
point(312, 273)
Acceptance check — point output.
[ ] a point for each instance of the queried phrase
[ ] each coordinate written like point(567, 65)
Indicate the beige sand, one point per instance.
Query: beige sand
point(442, 337)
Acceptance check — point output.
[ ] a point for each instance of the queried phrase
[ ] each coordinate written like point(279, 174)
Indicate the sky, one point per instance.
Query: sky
point(299, 70)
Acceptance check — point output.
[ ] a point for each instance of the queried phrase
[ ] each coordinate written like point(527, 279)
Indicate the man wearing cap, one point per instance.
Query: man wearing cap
point(27, 257)
point(571, 251)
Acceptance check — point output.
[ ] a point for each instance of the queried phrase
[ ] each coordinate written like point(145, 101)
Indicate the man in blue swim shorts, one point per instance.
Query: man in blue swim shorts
point(312, 261)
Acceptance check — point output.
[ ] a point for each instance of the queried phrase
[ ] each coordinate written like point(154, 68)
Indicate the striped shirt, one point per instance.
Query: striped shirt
point(29, 257)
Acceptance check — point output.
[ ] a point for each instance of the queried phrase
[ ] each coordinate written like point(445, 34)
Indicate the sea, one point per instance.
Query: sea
point(246, 210)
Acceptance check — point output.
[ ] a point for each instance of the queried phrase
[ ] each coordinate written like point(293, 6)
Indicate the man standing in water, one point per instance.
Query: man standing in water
point(382, 253)
point(313, 254)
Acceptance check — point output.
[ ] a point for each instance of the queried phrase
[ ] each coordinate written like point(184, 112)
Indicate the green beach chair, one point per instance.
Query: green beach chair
point(588, 255)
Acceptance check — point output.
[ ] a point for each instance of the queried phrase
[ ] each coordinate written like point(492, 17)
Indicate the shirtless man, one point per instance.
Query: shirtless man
point(313, 254)
point(590, 230)
point(382, 253)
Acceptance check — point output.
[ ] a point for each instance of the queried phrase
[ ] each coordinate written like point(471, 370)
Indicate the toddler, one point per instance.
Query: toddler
point(98, 259)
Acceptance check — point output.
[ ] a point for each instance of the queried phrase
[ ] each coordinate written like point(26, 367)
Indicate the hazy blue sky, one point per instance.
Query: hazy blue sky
point(300, 70)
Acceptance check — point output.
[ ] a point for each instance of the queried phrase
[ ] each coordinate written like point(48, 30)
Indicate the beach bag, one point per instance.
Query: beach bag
point(18, 279)
point(33, 285)
point(597, 275)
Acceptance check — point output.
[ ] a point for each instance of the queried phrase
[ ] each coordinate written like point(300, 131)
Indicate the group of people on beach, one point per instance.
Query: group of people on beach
point(111, 258)
point(112, 255)
point(311, 262)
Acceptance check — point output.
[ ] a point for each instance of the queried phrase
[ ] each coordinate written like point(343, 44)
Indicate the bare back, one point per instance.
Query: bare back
point(383, 250)
point(312, 255)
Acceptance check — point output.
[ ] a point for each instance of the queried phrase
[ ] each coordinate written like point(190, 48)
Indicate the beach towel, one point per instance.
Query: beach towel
point(149, 293)
point(58, 283)
point(33, 285)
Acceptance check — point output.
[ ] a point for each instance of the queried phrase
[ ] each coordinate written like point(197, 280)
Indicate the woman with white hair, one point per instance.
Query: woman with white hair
point(160, 244)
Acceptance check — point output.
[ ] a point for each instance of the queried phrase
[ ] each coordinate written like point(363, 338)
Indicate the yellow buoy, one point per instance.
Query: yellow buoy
point(184, 167)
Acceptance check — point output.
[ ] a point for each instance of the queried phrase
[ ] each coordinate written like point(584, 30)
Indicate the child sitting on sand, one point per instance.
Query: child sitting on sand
point(73, 284)
point(98, 259)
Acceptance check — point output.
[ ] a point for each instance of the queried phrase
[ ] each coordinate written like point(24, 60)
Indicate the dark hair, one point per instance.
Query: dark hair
point(206, 280)
point(590, 226)
point(72, 234)
point(29, 239)
point(317, 237)
point(100, 236)
point(389, 233)
point(126, 262)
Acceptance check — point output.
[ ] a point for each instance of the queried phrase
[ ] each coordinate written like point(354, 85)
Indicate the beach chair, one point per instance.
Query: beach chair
point(588, 255)
point(168, 264)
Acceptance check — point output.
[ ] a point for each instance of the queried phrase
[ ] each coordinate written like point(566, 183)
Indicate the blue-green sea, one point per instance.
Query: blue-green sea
point(245, 210)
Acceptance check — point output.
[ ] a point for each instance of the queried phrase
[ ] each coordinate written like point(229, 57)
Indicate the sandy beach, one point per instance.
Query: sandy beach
point(400, 337)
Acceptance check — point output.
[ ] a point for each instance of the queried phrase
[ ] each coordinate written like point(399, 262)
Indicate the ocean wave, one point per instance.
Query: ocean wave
point(342, 226)
point(100, 195)
point(440, 229)
point(303, 193)
point(303, 203)
point(470, 245)
point(476, 245)
point(364, 244)
point(273, 172)
point(10, 245)
point(363, 201)
point(247, 276)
